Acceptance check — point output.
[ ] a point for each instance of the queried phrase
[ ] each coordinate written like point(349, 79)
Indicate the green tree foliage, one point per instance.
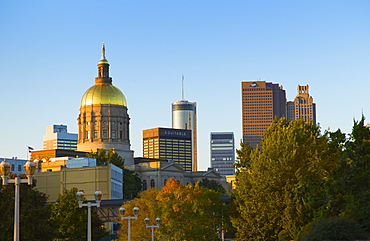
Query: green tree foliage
point(269, 200)
point(212, 184)
point(187, 213)
point(34, 213)
point(348, 189)
point(104, 157)
point(131, 181)
point(131, 184)
point(332, 228)
point(70, 221)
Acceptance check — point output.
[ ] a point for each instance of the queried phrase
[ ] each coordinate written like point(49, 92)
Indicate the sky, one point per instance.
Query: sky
point(50, 49)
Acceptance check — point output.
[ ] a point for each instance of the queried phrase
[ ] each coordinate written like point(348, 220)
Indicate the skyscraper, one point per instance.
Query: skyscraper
point(261, 102)
point(184, 117)
point(57, 137)
point(169, 144)
point(222, 153)
point(103, 122)
point(302, 106)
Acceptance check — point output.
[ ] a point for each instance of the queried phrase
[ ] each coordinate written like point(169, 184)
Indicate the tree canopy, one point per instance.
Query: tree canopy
point(34, 213)
point(269, 196)
point(70, 221)
point(187, 212)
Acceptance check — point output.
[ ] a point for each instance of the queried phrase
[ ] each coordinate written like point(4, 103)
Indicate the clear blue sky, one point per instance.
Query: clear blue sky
point(50, 50)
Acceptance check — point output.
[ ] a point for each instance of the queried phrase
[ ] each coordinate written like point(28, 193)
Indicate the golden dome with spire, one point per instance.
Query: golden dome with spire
point(103, 92)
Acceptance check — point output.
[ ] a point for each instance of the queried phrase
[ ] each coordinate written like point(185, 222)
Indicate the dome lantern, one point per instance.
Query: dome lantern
point(103, 92)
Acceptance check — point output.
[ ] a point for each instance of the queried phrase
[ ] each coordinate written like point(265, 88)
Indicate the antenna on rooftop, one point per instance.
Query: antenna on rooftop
point(183, 95)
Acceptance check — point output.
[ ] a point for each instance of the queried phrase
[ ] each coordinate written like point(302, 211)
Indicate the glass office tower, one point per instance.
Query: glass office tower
point(222, 153)
point(184, 117)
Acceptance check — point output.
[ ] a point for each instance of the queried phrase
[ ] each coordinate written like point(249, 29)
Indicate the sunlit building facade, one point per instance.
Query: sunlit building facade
point(57, 137)
point(302, 107)
point(222, 148)
point(184, 116)
point(261, 102)
point(174, 145)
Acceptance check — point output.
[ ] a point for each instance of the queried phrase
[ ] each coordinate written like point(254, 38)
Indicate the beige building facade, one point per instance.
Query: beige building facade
point(107, 179)
point(156, 172)
point(303, 106)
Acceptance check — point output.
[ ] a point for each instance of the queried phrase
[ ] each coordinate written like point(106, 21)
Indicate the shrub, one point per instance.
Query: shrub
point(333, 228)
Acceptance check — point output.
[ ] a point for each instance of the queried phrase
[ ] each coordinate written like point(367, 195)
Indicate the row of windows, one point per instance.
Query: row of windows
point(66, 141)
point(103, 122)
point(19, 168)
point(222, 144)
point(104, 135)
point(255, 89)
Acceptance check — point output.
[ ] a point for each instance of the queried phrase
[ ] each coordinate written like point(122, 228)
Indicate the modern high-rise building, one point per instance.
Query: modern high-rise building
point(222, 153)
point(103, 122)
point(57, 137)
point(302, 106)
point(184, 116)
point(261, 102)
point(169, 144)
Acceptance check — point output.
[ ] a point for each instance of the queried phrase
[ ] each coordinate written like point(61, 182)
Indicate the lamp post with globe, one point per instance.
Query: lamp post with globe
point(80, 198)
point(122, 211)
point(4, 173)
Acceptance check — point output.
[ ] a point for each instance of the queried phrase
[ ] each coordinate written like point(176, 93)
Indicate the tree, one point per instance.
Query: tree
point(348, 189)
point(131, 181)
point(268, 197)
point(34, 213)
point(212, 184)
point(332, 228)
point(70, 221)
point(103, 158)
point(131, 184)
point(187, 212)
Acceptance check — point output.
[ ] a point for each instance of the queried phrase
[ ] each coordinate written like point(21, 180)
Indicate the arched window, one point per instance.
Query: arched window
point(152, 183)
point(145, 186)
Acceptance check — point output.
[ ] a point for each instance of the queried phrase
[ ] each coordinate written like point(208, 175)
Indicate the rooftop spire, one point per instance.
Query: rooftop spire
point(103, 69)
point(103, 51)
point(103, 59)
point(183, 95)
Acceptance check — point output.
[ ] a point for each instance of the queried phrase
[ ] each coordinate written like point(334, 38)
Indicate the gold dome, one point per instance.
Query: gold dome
point(100, 94)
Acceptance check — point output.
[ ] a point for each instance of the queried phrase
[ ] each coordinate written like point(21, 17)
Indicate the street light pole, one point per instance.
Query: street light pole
point(4, 172)
point(80, 197)
point(157, 221)
point(122, 211)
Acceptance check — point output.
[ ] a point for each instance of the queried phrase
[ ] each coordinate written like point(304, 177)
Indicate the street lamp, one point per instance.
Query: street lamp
point(122, 211)
point(80, 198)
point(29, 168)
point(157, 221)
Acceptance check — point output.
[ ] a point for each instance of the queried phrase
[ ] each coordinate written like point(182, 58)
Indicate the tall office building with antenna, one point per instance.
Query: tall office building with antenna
point(184, 116)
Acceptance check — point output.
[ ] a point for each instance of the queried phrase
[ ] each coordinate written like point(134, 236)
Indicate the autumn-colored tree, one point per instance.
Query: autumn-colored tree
point(268, 196)
point(187, 212)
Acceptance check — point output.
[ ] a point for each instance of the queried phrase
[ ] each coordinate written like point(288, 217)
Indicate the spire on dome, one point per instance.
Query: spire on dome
point(103, 69)
point(103, 51)
point(103, 60)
